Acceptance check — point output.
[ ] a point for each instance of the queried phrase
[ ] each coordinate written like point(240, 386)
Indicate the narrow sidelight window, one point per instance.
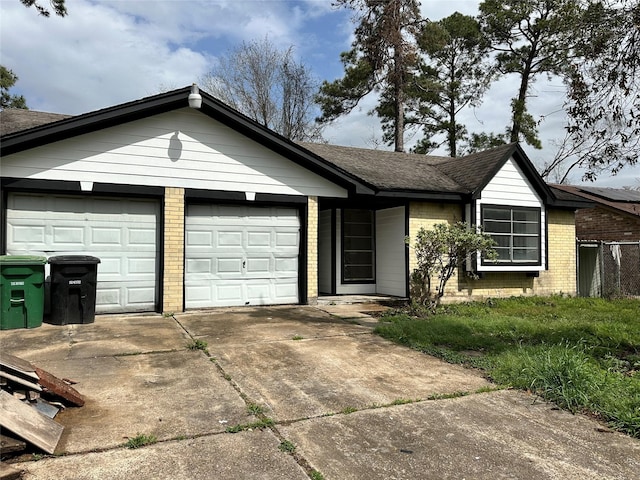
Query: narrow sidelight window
point(358, 250)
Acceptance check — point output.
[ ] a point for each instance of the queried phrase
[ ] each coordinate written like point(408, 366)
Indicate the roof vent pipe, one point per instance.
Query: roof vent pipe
point(195, 99)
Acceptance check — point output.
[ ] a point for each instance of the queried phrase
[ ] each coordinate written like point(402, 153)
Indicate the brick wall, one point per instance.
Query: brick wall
point(312, 251)
point(559, 278)
point(172, 300)
point(604, 224)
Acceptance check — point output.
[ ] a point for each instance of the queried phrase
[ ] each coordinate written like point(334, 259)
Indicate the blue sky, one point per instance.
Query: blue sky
point(107, 52)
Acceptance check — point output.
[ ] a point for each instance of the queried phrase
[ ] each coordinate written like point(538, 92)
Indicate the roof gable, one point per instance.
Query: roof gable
point(475, 171)
point(177, 99)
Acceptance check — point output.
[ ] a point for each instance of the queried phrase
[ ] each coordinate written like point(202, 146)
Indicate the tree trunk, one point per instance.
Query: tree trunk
point(520, 105)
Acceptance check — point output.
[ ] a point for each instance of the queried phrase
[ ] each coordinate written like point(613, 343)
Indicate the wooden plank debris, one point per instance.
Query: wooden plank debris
point(17, 363)
point(19, 371)
point(28, 423)
point(7, 472)
point(9, 444)
point(27, 383)
point(56, 386)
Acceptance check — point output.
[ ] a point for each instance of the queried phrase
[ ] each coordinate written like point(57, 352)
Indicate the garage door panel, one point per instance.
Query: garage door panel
point(227, 266)
point(142, 237)
point(102, 237)
point(226, 239)
point(257, 239)
point(253, 251)
point(121, 232)
point(199, 238)
point(26, 234)
point(286, 265)
point(260, 267)
point(69, 236)
point(108, 298)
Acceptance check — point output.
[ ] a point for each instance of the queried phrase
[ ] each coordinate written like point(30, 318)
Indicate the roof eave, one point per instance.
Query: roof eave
point(424, 195)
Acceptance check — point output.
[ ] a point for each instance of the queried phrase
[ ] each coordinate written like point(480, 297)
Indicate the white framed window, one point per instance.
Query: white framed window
point(517, 233)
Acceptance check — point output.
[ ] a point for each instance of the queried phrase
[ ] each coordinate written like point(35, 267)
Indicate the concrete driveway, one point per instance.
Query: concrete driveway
point(353, 405)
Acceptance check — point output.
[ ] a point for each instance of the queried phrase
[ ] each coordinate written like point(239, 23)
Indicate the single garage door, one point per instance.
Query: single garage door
point(241, 255)
point(122, 233)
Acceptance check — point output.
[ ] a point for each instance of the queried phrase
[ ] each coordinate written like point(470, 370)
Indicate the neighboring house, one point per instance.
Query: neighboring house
point(614, 218)
point(202, 207)
point(608, 241)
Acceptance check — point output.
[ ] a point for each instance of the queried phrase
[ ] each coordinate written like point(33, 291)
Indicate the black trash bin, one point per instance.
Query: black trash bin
point(73, 289)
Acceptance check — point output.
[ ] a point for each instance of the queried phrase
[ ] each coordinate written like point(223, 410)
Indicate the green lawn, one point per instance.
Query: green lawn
point(582, 353)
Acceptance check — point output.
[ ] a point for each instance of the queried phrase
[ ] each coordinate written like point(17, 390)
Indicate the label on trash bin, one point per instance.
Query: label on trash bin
point(17, 284)
point(75, 282)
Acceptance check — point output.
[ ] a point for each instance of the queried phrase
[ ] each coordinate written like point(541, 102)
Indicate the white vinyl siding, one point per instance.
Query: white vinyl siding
point(241, 255)
point(122, 233)
point(510, 188)
point(182, 148)
point(324, 251)
point(390, 252)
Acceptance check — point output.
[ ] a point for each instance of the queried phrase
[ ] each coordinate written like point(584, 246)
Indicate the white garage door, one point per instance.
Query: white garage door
point(241, 255)
point(122, 233)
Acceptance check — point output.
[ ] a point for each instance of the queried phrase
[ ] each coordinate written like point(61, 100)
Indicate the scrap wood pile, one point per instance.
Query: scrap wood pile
point(30, 398)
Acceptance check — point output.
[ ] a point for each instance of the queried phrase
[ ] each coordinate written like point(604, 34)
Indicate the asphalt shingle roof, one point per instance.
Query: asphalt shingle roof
point(17, 119)
point(387, 170)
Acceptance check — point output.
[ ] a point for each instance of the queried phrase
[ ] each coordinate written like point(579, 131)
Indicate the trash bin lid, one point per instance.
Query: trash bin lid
point(74, 260)
point(22, 260)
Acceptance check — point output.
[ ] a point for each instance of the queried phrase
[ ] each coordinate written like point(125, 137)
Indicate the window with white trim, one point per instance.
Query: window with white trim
point(516, 231)
point(358, 251)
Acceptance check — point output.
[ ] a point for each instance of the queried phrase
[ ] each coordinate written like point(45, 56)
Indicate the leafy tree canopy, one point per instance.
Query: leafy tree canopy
point(381, 59)
point(7, 80)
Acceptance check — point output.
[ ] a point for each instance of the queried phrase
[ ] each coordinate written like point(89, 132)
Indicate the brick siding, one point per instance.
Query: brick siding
point(172, 299)
point(604, 224)
point(312, 250)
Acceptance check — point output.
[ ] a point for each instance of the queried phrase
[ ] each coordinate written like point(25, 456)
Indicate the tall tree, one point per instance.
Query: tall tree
point(603, 106)
point(381, 59)
point(531, 38)
point(456, 75)
point(269, 86)
point(57, 5)
point(7, 80)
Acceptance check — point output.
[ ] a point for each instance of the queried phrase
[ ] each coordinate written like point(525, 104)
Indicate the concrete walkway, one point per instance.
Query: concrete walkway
point(353, 405)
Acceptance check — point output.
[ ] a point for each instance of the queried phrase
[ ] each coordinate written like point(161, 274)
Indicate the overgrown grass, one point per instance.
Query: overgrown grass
point(581, 353)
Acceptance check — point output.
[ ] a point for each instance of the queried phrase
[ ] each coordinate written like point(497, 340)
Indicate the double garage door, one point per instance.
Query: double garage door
point(241, 255)
point(122, 233)
point(234, 255)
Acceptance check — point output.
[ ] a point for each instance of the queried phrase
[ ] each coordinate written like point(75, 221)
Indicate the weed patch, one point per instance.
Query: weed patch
point(141, 440)
point(581, 353)
point(287, 446)
point(197, 344)
point(260, 424)
point(255, 409)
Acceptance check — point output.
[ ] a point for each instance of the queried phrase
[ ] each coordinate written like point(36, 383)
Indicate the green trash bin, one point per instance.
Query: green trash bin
point(21, 291)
